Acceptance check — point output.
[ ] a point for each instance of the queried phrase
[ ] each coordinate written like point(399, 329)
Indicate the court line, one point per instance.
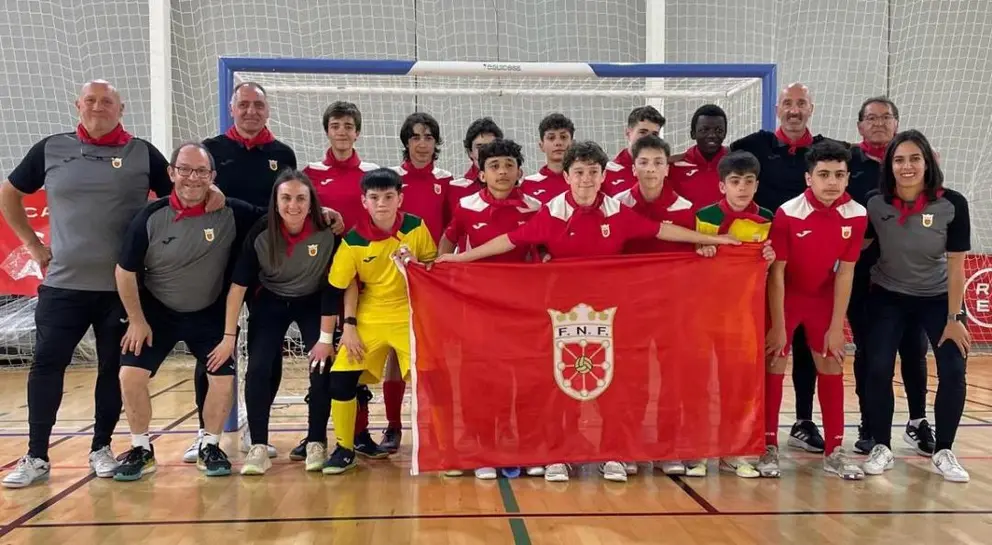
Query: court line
point(19, 521)
point(517, 526)
point(696, 496)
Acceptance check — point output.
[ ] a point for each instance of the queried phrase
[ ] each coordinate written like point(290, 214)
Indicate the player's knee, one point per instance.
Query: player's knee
point(134, 377)
point(344, 385)
point(827, 366)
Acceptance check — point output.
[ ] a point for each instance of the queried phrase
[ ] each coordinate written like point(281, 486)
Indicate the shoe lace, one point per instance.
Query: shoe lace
point(770, 455)
point(135, 456)
point(951, 461)
point(313, 448)
point(924, 432)
point(877, 454)
point(258, 451)
point(213, 453)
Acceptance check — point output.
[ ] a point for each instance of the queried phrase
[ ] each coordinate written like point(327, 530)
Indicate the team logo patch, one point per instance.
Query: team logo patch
point(312, 249)
point(583, 355)
point(117, 162)
point(927, 220)
point(208, 234)
point(437, 189)
point(273, 164)
point(845, 232)
point(605, 229)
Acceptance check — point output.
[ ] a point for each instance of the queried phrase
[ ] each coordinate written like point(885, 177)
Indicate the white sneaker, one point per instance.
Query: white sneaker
point(839, 464)
point(879, 460)
point(29, 470)
point(556, 473)
point(695, 468)
point(454, 473)
point(673, 467)
point(316, 456)
point(630, 468)
point(535, 471)
point(193, 451)
point(768, 463)
point(947, 465)
point(485, 473)
point(740, 467)
point(613, 471)
point(257, 461)
point(246, 444)
point(103, 462)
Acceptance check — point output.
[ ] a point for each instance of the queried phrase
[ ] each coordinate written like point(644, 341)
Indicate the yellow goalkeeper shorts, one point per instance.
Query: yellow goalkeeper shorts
point(378, 340)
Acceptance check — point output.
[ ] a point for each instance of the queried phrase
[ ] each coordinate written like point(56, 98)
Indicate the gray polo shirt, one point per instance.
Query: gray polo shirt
point(299, 273)
point(913, 257)
point(185, 263)
point(93, 192)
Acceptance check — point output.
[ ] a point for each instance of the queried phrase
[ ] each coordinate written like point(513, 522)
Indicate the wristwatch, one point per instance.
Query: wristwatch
point(350, 320)
point(959, 317)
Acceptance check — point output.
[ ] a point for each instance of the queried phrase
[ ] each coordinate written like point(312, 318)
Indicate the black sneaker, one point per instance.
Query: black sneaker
point(865, 443)
point(299, 453)
point(136, 463)
point(340, 461)
point(920, 438)
point(213, 461)
point(391, 438)
point(806, 436)
point(365, 446)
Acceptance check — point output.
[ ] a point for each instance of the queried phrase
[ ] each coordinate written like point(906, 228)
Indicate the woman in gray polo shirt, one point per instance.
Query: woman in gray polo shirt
point(924, 232)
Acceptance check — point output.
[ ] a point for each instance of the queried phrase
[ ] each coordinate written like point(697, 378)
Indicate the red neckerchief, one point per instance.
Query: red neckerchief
point(410, 169)
point(817, 205)
point(665, 199)
point(115, 138)
point(696, 157)
point(515, 199)
point(595, 208)
point(263, 137)
point(805, 141)
point(291, 239)
point(871, 150)
point(183, 212)
point(351, 162)
point(369, 231)
point(547, 172)
point(730, 215)
point(624, 158)
point(916, 207)
point(472, 173)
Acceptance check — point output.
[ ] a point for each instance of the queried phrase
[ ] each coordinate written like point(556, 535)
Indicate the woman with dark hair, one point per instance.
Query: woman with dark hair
point(287, 256)
point(923, 231)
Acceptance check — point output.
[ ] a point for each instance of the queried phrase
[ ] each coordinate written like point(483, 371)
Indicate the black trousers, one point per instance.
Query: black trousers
point(891, 315)
point(62, 317)
point(803, 375)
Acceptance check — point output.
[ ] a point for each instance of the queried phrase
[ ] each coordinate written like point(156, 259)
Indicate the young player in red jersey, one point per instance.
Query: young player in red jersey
point(694, 174)
point(584, 222)
point(817, 238)
point(619, 172)
point(425, 186)
point(481, 132)
point(556, 132)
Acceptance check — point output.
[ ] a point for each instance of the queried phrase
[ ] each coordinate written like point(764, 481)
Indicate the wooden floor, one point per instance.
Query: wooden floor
point(382, 504)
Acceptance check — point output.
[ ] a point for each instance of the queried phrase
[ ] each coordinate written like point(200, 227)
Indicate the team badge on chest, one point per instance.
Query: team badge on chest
point(312, 249)
point(437, 189)
point(208, 235)
point(927, 220)
point(273, 165)
point(605, 229)
point(845, 232)
point(117, 162)
point(583, 350)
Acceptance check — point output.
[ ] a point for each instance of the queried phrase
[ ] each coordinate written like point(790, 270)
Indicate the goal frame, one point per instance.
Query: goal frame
point(227, 67)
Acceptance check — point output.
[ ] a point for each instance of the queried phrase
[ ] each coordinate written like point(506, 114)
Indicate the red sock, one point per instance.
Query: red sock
point(773, 405)
point(362, 419)
point(830, 390)
point(392, 393)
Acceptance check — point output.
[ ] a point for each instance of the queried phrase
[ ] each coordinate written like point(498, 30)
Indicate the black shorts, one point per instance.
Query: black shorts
point(202, 331)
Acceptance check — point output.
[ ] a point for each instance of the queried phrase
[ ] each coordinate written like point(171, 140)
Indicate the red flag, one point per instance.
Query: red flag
point(631, 358)
point(19, 274)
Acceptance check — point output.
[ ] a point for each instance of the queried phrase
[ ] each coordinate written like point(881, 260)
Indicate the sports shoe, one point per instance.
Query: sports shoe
point(556, 473)
point(613, 471)
point(29, 470)
point(920, 437)
point(213, 461)
point(535, 471)
point(768, 463)
point(193, 450)
point(365, 446)
point(246, 444)
point(486, 473)
point(740, 467)
point(695, 468)
point(806, 436)
point(453, 473)
point(316, 456)
point(299, 452)
point(137, 463)
point(257, 461)
point(879, 460)
point(865, 443)
point(391, 438)
point(630, 467)
point(839, 464)
point(103, 462)
point(947, 465)
point(673, 467)
point(340, 461)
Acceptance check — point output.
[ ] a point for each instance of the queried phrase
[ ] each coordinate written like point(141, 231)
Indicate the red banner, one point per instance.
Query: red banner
point(625, 358)
point(19, 274)
point(978, 297)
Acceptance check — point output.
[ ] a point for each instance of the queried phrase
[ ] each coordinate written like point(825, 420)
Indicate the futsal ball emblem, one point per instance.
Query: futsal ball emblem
point(273, 165)
point(927, 220)
point(116, 162)
point(583, 350)
point(845, 232)
point(437, 189)
point(208, 234)
point(312, 249)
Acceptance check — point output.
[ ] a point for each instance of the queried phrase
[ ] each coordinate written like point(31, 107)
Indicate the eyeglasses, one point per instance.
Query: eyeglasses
point(877, 119)
point(187, 172)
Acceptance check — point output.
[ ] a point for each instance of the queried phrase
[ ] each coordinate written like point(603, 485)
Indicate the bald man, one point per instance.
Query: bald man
point(96, 179)
point(782, 155)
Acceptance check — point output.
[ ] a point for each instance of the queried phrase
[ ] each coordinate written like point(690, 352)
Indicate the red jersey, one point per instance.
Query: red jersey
point(425, 194)
point(463, 187)
point(813, 239)
point(695, 178)
point(569, 230)
point(545, 185)
point(338, 185)
point(480, 218)
point(619, 174)
point(669, 207)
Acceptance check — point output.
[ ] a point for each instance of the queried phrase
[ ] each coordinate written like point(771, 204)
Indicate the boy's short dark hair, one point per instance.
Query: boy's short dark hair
point(645, 113)
point(483, 125)
point(650, 141)
point(340, 109)
point(420, 118)
point(382, 179)
point(709, 110)
point(827, 150)
point(555, 122)
point(738, 162)
point(586, 151)
point(500, 148)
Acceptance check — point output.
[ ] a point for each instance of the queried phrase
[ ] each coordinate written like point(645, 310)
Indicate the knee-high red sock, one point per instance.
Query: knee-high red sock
point(362, 418)
point(773, 406)
point(392, 393)
point(830, 390)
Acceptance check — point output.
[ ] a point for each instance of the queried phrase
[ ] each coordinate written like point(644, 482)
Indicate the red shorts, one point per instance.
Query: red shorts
point(811, 312)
